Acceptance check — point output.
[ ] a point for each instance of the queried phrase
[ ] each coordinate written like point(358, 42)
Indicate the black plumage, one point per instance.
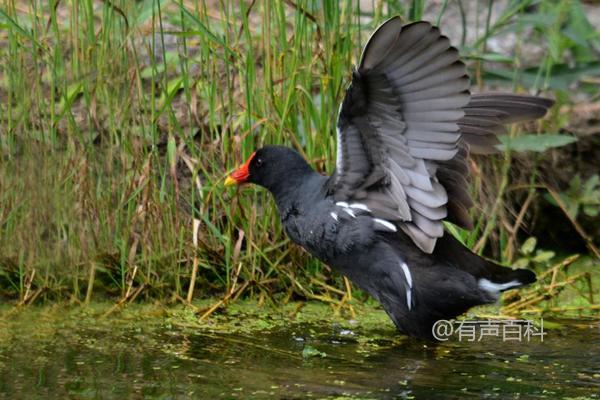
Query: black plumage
point(405, 129)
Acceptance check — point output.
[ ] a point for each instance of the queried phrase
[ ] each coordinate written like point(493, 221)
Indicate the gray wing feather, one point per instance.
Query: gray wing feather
point(405, 128)
point(487, 113)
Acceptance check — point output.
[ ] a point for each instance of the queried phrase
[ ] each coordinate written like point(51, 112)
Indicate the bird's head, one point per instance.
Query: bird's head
point(272, 167)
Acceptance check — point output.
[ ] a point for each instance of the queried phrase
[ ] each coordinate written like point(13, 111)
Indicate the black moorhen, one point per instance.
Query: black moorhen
point(404, 132)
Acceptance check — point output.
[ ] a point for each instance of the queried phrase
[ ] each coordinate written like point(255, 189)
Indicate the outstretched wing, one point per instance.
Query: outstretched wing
point(398, 122)
point(405, 127)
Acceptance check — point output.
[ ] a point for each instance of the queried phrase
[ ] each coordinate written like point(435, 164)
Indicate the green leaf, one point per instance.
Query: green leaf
point(171, 151)
point(19, 29)
point(203, 30)
point(542, 21)
point(542, 256)
point(522, 263)
point(455, 231)
point(494, 57)
point(561, 77)
point(171, 58)
point(575, 184)
point(69, 97)
point(591, 186)
point(581, 32)
point(309, 352)
point(556, 45)
point(529, 245)
point(533, 142)
point(572, 207)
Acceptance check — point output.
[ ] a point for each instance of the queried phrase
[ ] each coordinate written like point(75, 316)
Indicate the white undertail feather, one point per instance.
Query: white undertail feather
point(408, 299)
point(496, 288)
point(385, 223)
point(342, 204)
point(334, 215)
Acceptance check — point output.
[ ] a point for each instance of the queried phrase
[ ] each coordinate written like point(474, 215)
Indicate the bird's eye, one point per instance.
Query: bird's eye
point(259, 162)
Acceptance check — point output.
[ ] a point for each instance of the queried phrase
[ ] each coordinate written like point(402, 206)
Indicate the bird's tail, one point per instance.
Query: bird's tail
point(495, 278)
point(491, 277)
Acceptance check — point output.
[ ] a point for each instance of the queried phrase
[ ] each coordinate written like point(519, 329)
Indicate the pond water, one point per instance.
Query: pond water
point(82, 359)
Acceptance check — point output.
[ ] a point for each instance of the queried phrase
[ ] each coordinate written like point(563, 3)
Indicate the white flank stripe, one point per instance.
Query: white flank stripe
point(407, 274)
point(385, 223)
point(350, 212)
point(360, 206)
point(341, 204)
point(334, 215)
point(339, 162)
point(408, 298)
point(494, 288)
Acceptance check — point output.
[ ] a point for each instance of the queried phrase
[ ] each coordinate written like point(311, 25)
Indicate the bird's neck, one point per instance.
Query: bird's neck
point(297, 185)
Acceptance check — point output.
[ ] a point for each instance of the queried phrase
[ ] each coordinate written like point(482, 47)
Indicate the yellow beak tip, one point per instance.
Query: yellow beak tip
point(229, 181)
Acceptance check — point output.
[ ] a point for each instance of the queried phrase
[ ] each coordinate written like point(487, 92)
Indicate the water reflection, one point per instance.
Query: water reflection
point(183, 363)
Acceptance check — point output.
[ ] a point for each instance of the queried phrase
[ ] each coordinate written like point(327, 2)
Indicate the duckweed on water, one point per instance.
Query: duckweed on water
point(249, 351)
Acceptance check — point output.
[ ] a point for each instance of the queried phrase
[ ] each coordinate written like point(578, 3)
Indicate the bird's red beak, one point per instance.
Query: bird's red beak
point(241, 174)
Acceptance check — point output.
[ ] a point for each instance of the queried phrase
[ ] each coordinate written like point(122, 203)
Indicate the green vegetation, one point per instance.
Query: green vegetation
point(298, 350)
point(120, 119)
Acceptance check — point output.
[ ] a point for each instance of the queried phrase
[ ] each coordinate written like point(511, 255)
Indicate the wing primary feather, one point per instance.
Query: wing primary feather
point(405, 129)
